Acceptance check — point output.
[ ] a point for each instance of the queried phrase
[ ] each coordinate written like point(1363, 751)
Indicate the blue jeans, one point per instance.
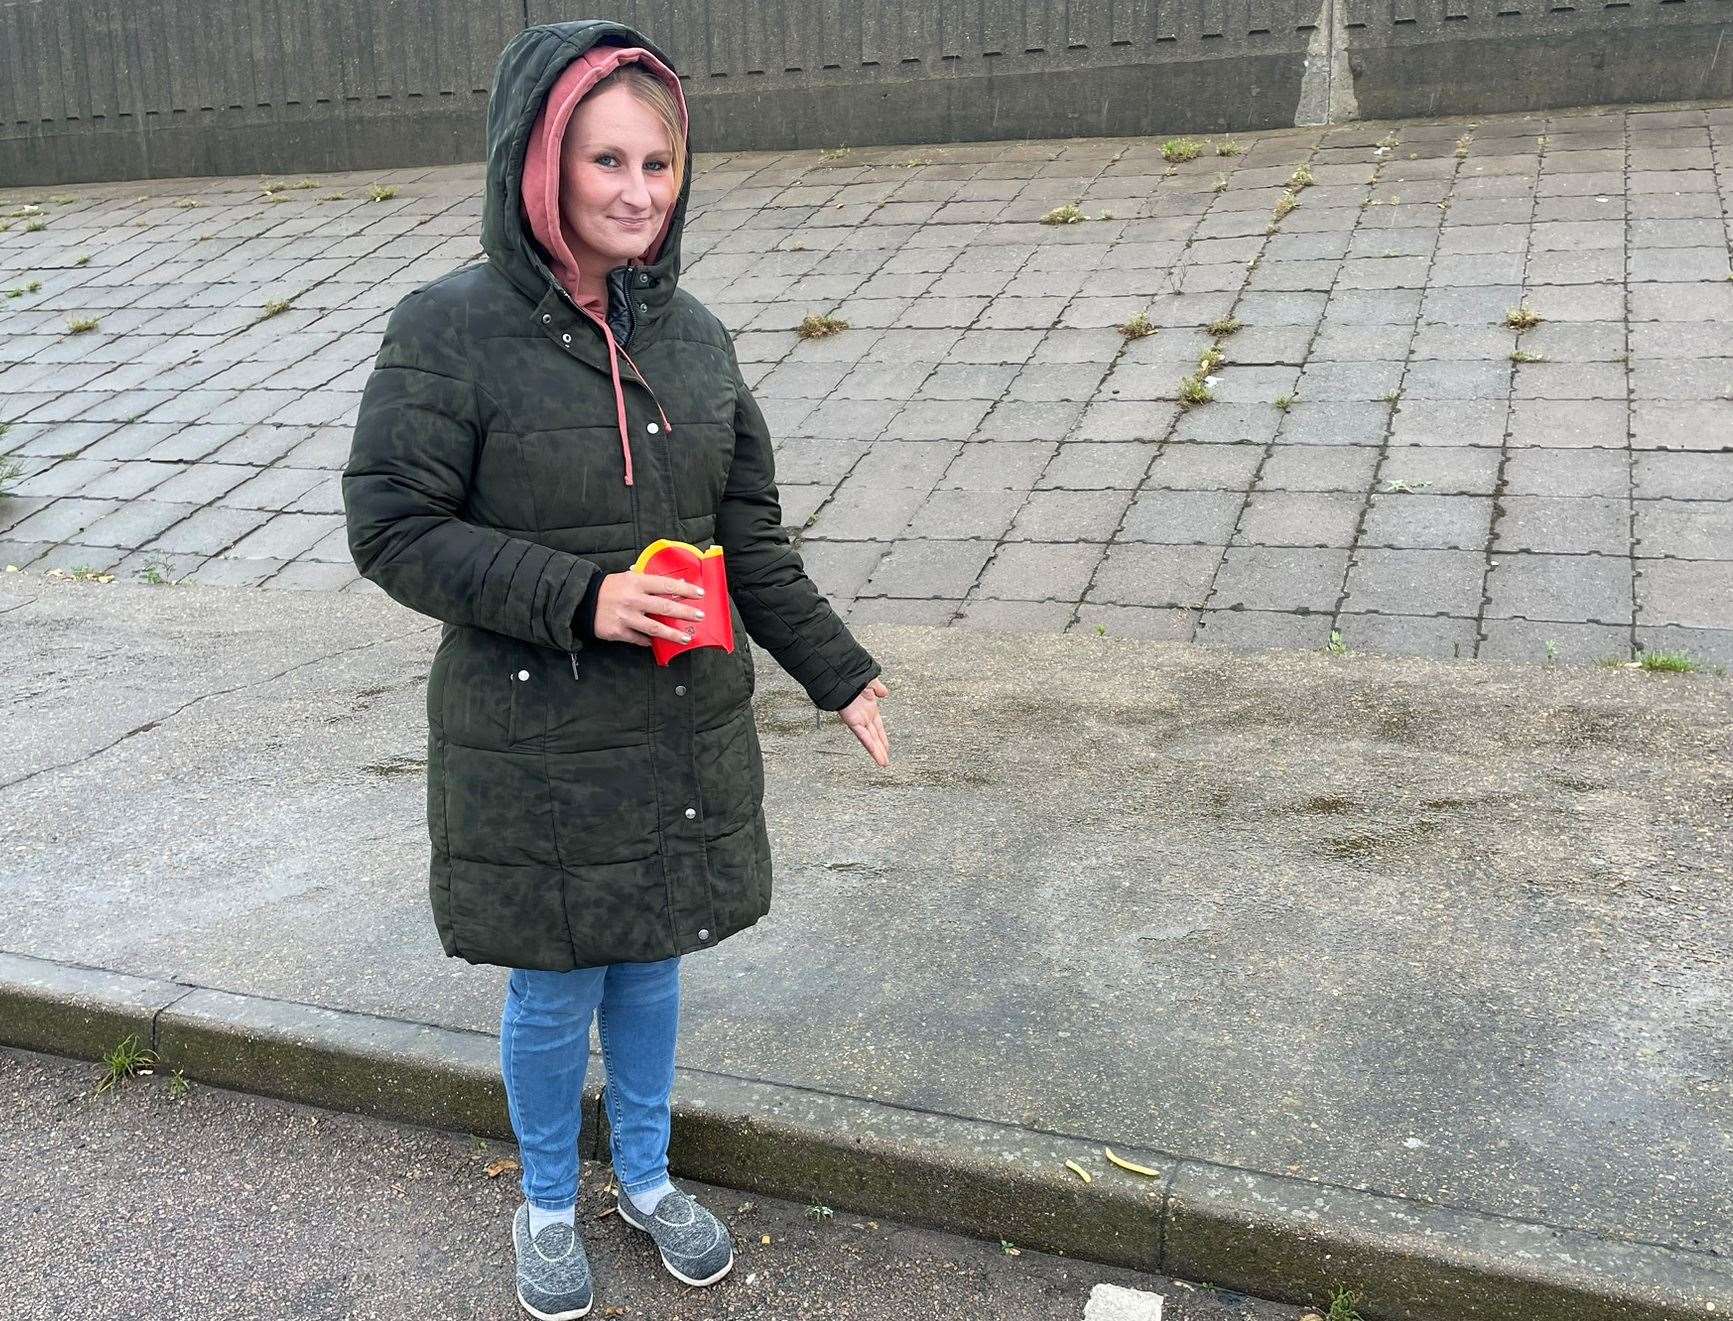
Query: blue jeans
point(544, 1049)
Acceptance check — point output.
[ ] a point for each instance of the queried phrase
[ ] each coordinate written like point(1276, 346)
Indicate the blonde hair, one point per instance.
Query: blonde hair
point(654, 95)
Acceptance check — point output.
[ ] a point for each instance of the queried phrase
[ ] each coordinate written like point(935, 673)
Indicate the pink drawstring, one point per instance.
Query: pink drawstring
point(644, 380)
point(619, 399)
point(615, 353)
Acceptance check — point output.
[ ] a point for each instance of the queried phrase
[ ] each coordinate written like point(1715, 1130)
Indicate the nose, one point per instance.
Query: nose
point(636, 193)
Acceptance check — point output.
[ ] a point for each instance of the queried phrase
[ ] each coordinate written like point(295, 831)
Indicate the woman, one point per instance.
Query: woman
point(532, 423)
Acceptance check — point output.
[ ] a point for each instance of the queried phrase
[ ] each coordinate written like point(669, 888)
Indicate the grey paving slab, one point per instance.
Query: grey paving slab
point(984, 390)
point(1436, 637)
point(956, 514)
point(1279, 579)
point(1053, 515)
point(929, 569)
point(1553, 641)
point(1402, 517)
point(1695, 594)
point(1593, 589)
point(1038, 571)
point(1163, 576)
point(1683, 476)
point(1300, 518)
point(1414, 582)
point(1297, 467)
point(1569, 423)
point(1568, 472)
point(1564, 525)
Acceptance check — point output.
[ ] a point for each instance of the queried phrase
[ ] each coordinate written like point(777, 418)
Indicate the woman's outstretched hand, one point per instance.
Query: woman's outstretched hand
point(863, 717)
point(626, 601)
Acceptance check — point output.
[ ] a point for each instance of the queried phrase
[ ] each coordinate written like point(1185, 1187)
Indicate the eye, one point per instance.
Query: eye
point(606, 158)
point(655, 165)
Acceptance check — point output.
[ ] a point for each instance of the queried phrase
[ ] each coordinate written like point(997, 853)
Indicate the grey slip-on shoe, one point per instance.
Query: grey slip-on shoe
point(695, 1245)
point(553, 1273)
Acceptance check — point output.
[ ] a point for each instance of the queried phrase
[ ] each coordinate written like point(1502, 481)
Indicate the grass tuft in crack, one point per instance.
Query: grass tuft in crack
point(1301, 177)
point(1069, 214)
point(819, 325)
point(1228, 147)
point(1284, 402)
point(1670, 662)
point(1194, 391)
point(1522, 317)
point(1138, 327)
point(127, 1060)
point(1177, 151)
point(1342, 1307)
point(82, 325)
point(1523, 355)
point(1224, 326)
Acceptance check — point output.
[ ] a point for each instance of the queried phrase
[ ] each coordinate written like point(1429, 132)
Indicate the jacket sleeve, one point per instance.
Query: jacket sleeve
point(405, 489)
point(782, 609)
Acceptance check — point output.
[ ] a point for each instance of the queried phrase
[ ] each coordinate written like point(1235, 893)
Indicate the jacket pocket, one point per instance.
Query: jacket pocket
point(478, 688)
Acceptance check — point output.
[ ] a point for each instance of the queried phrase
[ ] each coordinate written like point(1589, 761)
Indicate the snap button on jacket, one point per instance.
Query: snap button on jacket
point(585, 806)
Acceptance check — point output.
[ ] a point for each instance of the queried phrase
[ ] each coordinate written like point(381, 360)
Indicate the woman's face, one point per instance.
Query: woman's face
point(616, 178)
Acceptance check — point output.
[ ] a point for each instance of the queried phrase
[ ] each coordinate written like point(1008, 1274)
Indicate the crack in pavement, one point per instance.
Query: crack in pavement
point(205, 697)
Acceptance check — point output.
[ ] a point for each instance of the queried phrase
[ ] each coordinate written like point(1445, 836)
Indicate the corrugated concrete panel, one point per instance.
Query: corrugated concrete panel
point(96, 89)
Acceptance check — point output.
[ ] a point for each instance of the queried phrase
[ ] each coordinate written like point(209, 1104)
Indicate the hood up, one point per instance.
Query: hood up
point(541, 181)
point(542, 75)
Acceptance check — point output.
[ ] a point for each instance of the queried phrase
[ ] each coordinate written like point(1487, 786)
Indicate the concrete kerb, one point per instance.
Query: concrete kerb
point(1265, 1234)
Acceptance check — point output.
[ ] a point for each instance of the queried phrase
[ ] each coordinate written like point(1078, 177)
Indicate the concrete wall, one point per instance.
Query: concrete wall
point(106, 89)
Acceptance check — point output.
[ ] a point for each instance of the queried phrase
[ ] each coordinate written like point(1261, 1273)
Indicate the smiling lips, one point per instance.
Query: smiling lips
point(631, 224)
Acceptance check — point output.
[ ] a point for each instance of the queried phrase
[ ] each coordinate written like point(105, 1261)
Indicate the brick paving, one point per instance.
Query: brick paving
point(1383, 459)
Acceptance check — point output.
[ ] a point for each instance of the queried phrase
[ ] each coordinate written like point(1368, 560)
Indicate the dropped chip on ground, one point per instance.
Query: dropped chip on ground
point(1110, 1302)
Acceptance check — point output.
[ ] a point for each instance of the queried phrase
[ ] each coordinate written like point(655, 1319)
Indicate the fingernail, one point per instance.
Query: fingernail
point(700, 591)
point(700, 614)
point(685, 637)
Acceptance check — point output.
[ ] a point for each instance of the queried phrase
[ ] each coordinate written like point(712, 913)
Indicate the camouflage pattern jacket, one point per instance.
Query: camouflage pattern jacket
point(586, 806)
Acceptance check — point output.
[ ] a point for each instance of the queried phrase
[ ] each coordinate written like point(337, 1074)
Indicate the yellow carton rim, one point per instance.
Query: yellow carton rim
point(663, 543)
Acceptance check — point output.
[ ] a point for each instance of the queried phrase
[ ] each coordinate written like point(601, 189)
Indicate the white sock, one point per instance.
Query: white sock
point(647, 1201)
point(540, 1219)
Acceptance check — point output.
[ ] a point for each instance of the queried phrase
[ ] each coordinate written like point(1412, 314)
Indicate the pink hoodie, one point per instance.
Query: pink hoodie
point(541, 196)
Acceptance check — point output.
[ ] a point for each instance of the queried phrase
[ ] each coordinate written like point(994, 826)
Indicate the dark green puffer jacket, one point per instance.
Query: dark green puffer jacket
point(586, 806)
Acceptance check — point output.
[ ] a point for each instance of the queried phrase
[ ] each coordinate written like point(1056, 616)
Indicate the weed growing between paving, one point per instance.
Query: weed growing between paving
point(1069, 214)
point(819, 325)
point(1138, 327)
point(1224, 326)
point(1670, 662)
point(1177, 151)
point(127, 1060)
point(81, 325)
point(1194, 391)
point(1522, 317)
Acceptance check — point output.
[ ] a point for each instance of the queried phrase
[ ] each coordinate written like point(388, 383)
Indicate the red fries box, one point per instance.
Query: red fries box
point(704, 568)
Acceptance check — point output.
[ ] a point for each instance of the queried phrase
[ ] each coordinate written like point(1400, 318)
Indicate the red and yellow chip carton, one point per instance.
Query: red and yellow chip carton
point(705, 568)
